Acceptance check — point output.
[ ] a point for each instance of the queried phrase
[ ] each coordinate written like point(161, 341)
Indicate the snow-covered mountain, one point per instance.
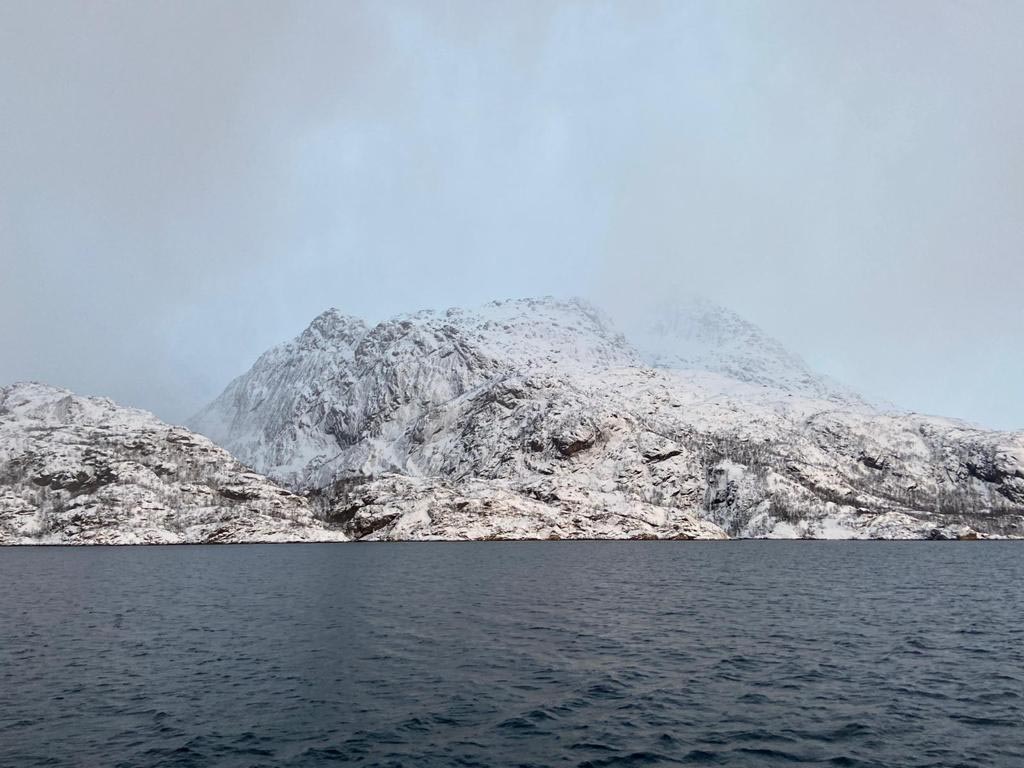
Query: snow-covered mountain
point(83, 470)
point(696, 334)
point(338, 399)
point(537, 418)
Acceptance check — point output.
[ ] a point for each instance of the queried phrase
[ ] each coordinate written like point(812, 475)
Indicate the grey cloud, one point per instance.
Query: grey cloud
point(184, 184)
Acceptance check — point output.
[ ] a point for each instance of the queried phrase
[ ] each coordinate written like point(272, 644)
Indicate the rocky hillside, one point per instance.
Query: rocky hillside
point(537, 418)
point(82, 470)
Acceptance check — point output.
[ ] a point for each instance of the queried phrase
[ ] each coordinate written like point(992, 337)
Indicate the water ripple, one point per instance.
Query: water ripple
point(748, 654)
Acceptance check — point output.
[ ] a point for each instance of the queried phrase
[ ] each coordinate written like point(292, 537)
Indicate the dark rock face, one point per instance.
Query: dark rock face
point(578, 437)
point(78, 481)
point(239, 493)
point(722, 492)
point(873, 462)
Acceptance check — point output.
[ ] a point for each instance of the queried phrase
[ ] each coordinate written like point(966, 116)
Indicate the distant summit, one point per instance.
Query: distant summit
point(692, 333)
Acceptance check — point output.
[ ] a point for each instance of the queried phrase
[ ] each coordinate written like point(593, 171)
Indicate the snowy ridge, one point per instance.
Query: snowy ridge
point(695, 334)
point(534, 334)
point(535, 418)
point(83, 470)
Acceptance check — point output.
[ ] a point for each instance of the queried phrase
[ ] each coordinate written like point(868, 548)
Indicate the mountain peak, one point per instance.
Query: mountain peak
point(34, 390)
point(332, 326)
point(694, 333)
point(47, 403)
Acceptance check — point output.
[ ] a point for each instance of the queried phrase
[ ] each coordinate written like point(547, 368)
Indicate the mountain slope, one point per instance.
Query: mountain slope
point(82, 470)
point(536, 418)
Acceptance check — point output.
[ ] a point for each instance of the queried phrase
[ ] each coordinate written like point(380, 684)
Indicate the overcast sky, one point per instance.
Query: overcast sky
point(184, 184)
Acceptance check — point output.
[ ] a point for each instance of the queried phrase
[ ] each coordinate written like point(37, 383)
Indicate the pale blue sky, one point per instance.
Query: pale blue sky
point(183, 184)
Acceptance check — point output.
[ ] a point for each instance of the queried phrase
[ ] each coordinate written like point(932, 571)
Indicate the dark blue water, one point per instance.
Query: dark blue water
point(568, 653)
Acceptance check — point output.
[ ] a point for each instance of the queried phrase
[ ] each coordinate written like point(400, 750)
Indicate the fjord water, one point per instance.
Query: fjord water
point(560, 653)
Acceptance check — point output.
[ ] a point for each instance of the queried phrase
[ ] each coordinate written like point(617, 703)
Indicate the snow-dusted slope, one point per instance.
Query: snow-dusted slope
point(82, 470)
point(536, 418)
point(692, 333)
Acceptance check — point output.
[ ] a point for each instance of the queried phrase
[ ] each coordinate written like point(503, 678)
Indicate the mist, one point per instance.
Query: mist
point(184, 184)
